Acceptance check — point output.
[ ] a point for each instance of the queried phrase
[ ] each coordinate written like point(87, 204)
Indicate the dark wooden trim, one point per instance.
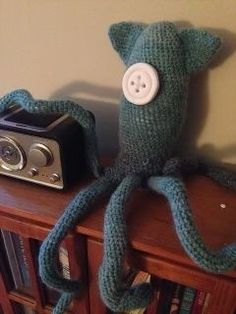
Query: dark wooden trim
point(4, 300)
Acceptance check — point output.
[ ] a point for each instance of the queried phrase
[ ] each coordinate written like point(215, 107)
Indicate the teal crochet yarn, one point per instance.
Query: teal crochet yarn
point(150, 133)
point(160, 59)
point(173, 189)
point(24, 98)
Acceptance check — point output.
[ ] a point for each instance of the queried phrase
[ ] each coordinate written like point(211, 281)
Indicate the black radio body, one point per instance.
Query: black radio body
point(47, 149)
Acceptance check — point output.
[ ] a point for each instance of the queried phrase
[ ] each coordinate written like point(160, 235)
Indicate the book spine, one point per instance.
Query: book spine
point(206, 303)
point(21, 258)
point(152, 308)
point(166, 293)
point(5, 267)
point(64, 261)
point(12, 258)
point(171, 286)
point(187, 301)
point(199, 302)
point(176, 300)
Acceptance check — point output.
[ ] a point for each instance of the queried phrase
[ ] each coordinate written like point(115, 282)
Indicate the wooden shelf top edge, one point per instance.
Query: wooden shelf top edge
point(149, 220)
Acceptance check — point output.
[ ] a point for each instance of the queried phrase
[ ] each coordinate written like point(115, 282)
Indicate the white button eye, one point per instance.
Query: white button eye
point(140, 83)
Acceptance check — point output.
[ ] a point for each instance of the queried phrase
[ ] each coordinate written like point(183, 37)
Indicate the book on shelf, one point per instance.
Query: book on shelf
point(171, 298)
point(206, 303)
point(166, 292)
point(152, 307)
point(140, 277)
point(199, 302)
point(16, 260)
point(21, 256)
point(187, 300)
point(13, 252)
point(176, 299)
point(12, 258)
point(64, 262)
point(4, 266)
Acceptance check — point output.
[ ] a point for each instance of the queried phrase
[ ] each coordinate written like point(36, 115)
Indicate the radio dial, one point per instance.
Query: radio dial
point(12, 157)
point(40, 155)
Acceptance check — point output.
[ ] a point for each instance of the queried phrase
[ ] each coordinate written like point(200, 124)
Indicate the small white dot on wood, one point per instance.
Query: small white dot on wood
point(222, 205)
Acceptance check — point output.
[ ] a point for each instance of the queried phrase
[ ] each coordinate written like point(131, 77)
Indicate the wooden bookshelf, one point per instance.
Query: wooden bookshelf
point(31, 211)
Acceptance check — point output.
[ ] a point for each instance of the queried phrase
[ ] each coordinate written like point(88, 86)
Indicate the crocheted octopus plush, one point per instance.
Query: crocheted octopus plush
point(160, 59)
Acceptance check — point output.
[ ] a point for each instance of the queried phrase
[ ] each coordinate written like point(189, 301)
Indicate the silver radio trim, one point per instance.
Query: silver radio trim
point(38, 129)
point(44, 173)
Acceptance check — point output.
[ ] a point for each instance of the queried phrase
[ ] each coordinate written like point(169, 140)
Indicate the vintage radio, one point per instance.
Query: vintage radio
point(47, 149)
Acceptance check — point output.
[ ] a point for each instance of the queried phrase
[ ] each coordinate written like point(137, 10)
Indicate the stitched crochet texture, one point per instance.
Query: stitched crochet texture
point(149, 135)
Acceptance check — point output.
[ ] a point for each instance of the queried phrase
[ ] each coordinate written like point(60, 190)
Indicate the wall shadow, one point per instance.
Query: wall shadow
point(83, 87)
point(197, 112)
point(105, 111)
point(214, 153)
point(198, 100)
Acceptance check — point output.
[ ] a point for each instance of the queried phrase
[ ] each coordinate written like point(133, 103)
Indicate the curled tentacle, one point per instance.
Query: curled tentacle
point(82, 116)
point(215, 261)
point(19, 96)
point(115, 293)
point(74, 212)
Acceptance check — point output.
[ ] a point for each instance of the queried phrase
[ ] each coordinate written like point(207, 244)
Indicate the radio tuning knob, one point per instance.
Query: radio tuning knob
point(54, 178)
point(32, 172)
point(40, 155)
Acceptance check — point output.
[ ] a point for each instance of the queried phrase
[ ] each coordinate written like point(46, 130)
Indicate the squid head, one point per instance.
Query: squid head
point(160, 59)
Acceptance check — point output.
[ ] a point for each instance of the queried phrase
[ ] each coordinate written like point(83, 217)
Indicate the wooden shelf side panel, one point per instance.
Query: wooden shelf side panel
point(4, 300)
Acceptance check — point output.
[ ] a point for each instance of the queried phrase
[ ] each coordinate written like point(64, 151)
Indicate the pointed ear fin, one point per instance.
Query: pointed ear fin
point(123, 37)
point(200, 46)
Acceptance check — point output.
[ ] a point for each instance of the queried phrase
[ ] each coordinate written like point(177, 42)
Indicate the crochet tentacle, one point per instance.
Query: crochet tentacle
point(74, 212)
point(82, 116)
point(218, 173)
point(114, 291)
point(63, 303)
point(215, 261)
point(19, 96)
point(222, 175)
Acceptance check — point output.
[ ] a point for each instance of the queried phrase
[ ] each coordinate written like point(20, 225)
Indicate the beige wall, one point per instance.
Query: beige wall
point(60, 49)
